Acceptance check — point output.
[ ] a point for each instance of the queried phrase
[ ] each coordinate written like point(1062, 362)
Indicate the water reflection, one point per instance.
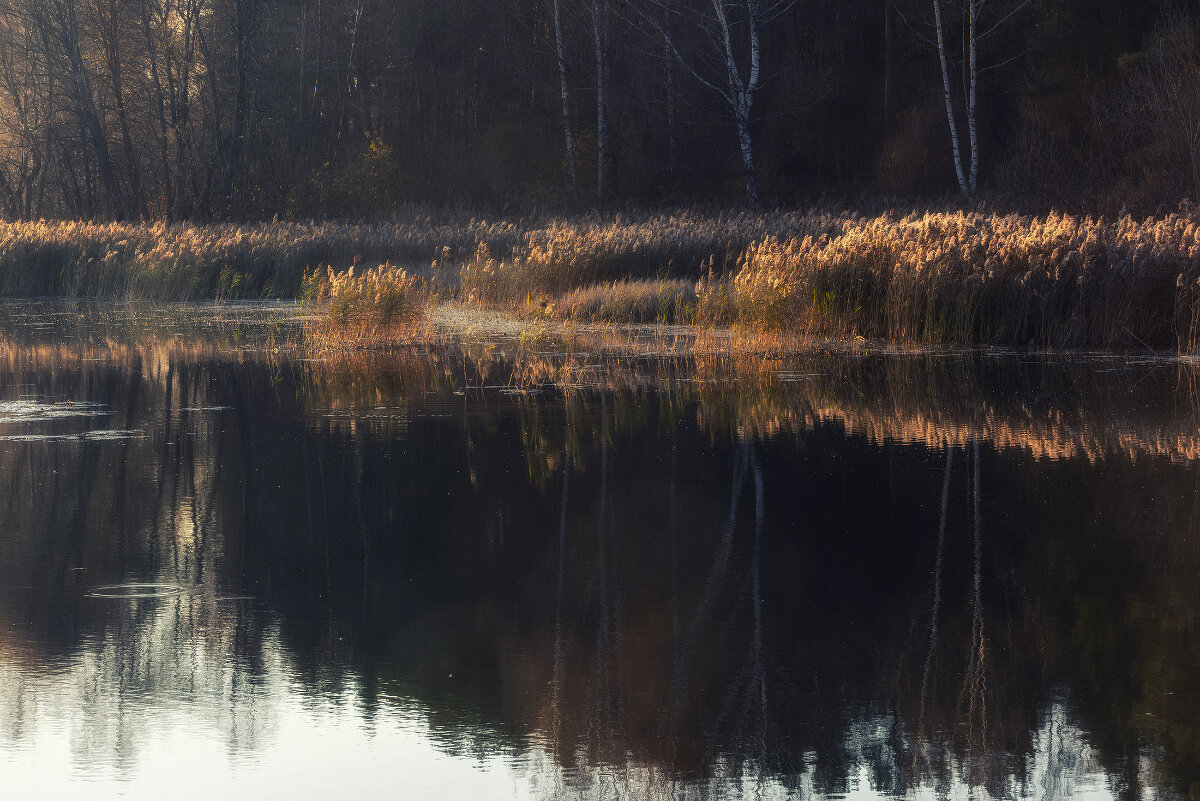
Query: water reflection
point(924, 576)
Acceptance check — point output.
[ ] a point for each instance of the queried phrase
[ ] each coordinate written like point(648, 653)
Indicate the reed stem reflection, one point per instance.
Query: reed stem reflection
point(570, 580)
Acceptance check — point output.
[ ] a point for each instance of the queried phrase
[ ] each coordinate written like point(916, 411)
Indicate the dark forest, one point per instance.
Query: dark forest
point(251, 109)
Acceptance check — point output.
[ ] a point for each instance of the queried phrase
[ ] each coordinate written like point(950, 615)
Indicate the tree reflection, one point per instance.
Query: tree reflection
point(644, 588)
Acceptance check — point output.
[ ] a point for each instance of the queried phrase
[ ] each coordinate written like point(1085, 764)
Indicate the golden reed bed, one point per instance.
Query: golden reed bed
point(1054, 281)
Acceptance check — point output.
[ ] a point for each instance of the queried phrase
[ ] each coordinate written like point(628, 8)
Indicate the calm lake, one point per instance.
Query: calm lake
point(491, 569)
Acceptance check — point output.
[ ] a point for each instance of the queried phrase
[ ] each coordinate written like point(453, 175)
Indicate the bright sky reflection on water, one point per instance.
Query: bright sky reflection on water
point(325, 752)
point(330, 750)
point(966, 577)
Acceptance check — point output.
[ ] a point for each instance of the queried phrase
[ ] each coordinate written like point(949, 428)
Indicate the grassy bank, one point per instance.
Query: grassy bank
point(182, 261)
point(972, 278)
point(785, 277)
point(189, 262)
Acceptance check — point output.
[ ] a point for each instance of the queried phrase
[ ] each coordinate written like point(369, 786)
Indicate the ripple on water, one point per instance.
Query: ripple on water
point(87, 436)
point(135, 590)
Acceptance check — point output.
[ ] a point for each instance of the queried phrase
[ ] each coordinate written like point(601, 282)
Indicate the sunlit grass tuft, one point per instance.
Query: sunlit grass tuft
point(377, 307)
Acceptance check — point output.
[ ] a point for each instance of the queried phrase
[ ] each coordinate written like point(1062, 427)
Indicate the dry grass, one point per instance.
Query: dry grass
point(381, 306)
point(189, 262)
point(558, 257)
point(947, 277)
point(181, 261)
point(973, 278)
point(667, 301)
point(967, 278)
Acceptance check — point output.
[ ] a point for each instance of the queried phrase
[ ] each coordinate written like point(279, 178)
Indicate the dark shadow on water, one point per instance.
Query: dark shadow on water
point(900, 572)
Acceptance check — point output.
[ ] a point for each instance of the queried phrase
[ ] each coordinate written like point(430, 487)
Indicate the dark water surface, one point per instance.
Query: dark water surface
point(230, 572)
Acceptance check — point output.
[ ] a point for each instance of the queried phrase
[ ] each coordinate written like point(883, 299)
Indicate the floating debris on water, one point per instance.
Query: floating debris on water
point(28, 411)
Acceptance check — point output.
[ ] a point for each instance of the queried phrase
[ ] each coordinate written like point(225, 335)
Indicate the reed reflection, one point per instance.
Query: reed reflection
point(840, 574)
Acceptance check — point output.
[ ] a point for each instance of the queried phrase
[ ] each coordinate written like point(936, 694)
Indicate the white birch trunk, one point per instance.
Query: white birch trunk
point(746, 144)
point(300, 72)
point(748, 104)
point(971, 33)
point(568, 134)
point(941, 43)
point(741, 91)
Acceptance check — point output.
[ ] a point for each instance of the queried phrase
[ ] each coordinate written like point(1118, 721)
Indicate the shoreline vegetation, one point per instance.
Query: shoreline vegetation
point(773, 280)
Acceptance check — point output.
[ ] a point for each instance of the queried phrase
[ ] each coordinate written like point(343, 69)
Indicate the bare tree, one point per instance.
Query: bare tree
point(726, 59)
point(59, 20)
point(246, 21)
point(1158, 113)
point(170, 29)
point(27, 90)
point(600, 33)
point(973, 34)
point(109, 18)
point(158, 103)
point(560, 52)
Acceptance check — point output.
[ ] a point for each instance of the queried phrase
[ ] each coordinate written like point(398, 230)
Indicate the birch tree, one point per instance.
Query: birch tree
point(967, 172)
point(727, 58)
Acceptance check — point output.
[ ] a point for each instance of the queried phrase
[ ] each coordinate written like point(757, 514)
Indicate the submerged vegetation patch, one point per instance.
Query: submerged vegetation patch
point(32, 411)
